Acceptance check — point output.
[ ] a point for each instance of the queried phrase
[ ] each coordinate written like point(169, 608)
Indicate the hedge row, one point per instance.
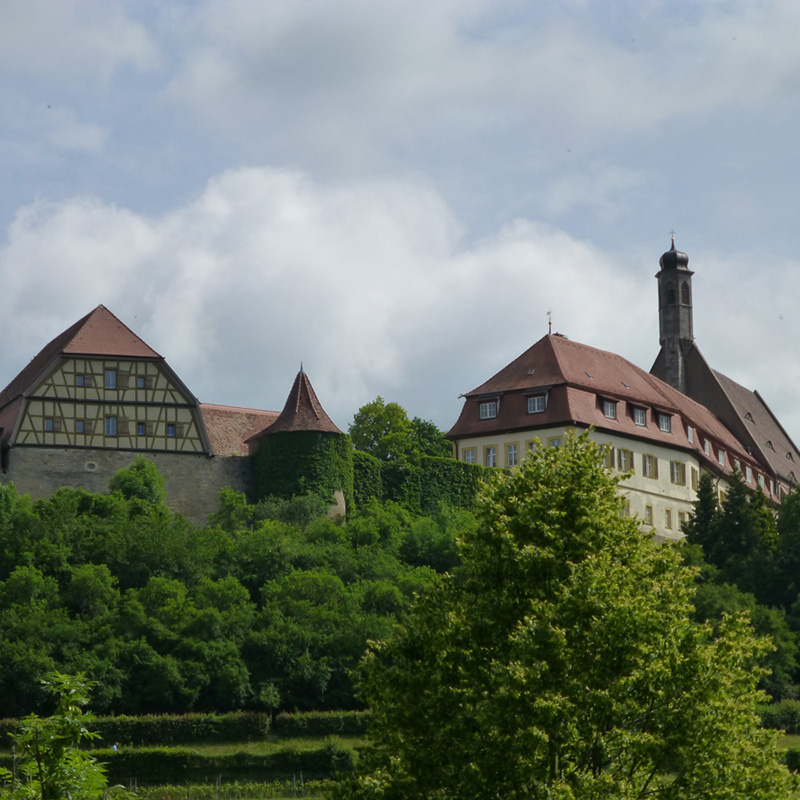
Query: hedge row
point(784, 715)
point(321, 723)
point(236, 790)
point(152, 766)
point(166, 729)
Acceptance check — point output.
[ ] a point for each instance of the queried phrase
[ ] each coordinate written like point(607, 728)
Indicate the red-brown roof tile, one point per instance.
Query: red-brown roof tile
point(302, 412)
point(229, 427)
point(99, 333)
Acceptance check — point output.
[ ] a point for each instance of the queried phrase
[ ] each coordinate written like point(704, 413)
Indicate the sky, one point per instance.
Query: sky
point(397, 193)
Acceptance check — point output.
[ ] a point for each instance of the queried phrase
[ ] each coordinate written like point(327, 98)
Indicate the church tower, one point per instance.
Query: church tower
point(675, 330)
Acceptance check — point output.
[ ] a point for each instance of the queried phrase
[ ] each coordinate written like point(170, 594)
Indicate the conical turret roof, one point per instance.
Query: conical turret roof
point(302, 412)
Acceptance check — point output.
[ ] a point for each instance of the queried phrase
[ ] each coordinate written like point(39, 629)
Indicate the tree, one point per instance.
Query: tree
point(561, 661)
point(384, 430)
point(140, 481)
point(51, 764)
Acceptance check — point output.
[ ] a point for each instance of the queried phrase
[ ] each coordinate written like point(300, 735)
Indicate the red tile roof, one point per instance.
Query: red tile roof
point(302, 412)
point(229, 427)
point(99, 333)
point(577, 377)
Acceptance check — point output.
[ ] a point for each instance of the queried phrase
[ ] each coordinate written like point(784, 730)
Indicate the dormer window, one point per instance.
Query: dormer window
point(690, 434)
point(769, 444)
point(488, 410)
point(707, 447)
point(609, 409)
point(748, 471)
point(665, 423)
point(721, 457)
point(537, 403)
point(640, 417)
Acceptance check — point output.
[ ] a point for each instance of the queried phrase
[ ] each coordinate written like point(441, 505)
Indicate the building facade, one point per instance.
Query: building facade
point(660, 428)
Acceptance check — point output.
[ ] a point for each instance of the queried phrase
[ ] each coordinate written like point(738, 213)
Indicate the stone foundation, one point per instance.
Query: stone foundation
point(192, 481)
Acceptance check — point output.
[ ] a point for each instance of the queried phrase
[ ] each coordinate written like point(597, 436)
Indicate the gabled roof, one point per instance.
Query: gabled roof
point(575, 375)
point(302, 412)
point(762, 431)
point(99, 333)
point(229, 427)
point(743, 411)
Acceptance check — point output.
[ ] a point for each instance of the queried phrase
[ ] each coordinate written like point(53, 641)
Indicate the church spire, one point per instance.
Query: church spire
point(675, 327)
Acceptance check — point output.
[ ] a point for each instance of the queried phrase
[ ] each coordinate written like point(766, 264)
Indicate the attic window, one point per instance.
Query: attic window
point(790, 456)
point(640, 417)
point(748, 416)
point(488, 410)
point(664, 423)
point(609, 409)
point(769, 444)
point(531, 371)
point(589, 374)
point(690, 434)
point(537, 403)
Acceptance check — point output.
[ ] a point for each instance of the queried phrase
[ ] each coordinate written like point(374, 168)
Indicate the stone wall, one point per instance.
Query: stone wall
point(193, 481)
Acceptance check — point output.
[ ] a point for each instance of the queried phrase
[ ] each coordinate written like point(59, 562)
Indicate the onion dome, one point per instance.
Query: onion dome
point(674, 259)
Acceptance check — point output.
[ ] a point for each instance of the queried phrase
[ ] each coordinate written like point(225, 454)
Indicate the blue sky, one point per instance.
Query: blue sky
point(396, 193)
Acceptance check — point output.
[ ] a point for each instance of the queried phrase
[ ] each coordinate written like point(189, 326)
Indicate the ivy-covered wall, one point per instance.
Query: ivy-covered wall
point(419, 487)
point(293, 463)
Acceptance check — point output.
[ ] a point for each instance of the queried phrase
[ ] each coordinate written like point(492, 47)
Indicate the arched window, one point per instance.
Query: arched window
point(685, 293)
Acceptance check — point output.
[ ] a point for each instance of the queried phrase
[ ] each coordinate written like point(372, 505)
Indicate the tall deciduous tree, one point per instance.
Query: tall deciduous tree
point(562, 662)
point(384, 430)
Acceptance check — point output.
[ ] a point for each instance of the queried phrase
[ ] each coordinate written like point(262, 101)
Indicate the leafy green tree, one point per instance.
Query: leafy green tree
point(561, 661)
point(51, 764)
point(383, 430)
point(428, 440)
point(142, 481)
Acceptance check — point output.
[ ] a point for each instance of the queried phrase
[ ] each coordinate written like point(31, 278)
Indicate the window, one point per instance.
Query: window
point(489, 410)
point(721, 457)
point(609, 409)
point(171, 429)
point(771, 486)
point(80, 426)
point(648, 515)
point(555, 441)
point(111, 426)
point(80, 380)
point(490, 456)
point(512, 455)
point(537, 404)
point(668, 519)
point(624, 460)
point(141, 429)
point(685, 293)
point(111, 379)
point(48, 424)
point(531, 444)
point(664, 423)
point(649, 466)
point(737, 465)
point(640, 417)
point(694, 478)
point(761, 482)
point(141, 382)
point(681, 520)
point(677, 473)
point(748, 471)
point(608, 457)
point(626, 508)
point(690, 434)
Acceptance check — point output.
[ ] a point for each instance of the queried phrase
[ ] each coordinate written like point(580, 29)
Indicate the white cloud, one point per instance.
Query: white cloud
point(369, 284)
point(67, 41)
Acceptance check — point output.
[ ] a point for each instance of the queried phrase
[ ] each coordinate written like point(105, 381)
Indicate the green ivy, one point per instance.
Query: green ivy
point(293, 463)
